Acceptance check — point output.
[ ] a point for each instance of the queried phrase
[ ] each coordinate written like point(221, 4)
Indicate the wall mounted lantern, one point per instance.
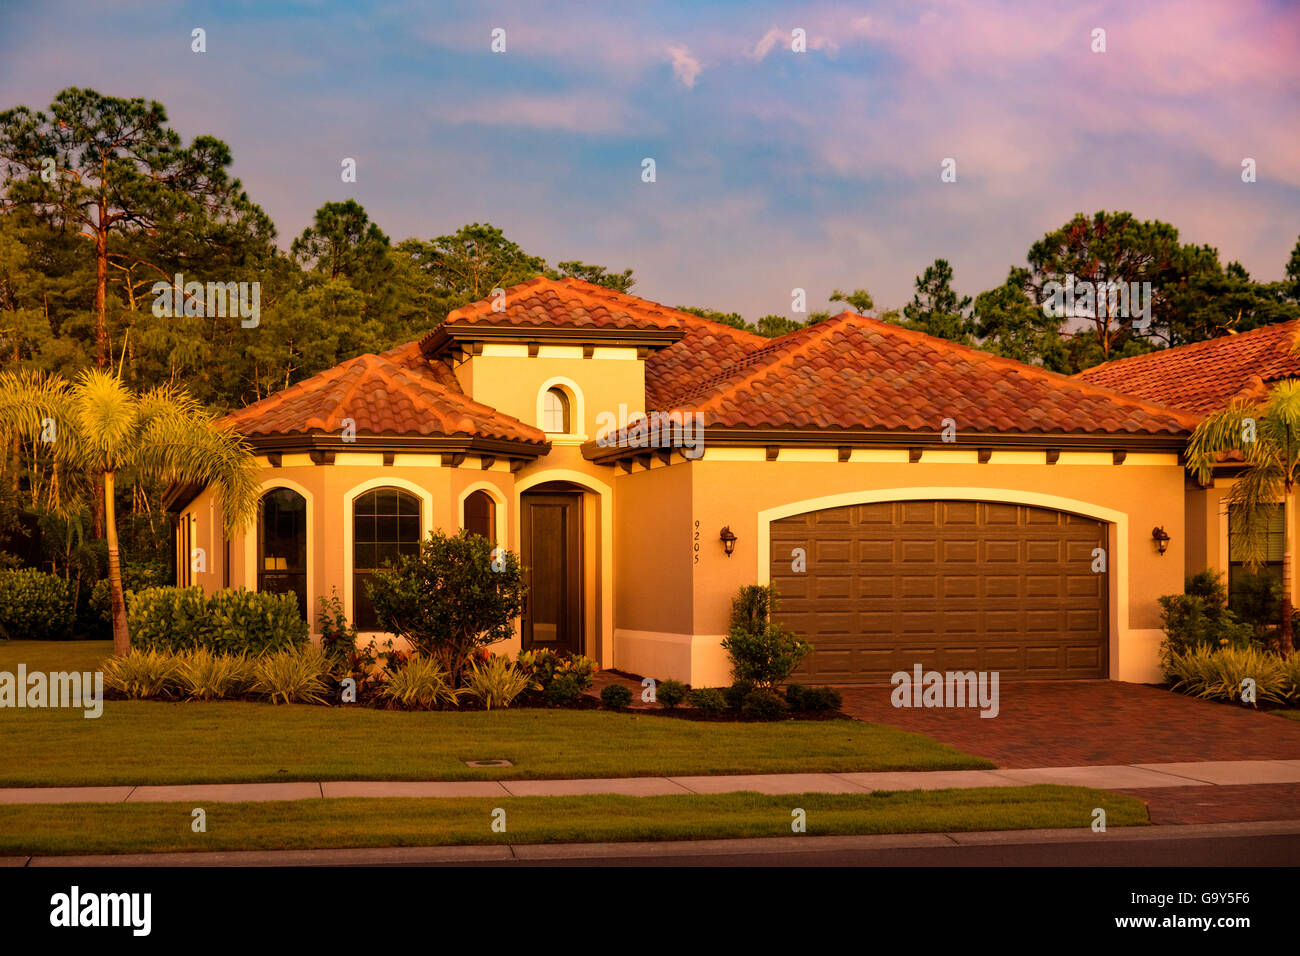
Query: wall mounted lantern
point(1161, 537)
point(728, 538)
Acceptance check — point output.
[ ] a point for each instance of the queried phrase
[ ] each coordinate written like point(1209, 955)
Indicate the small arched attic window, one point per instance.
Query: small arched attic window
point(555, 411)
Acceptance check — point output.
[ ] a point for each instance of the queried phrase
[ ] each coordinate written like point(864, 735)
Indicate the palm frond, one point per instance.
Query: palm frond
point(181, 443)
point(1224, 431)
point(106, 418)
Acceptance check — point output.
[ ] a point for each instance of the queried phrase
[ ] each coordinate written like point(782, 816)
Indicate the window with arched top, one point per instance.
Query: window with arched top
point(555, 411)
point(481, 515)
point(385, 526)
point(282, 545)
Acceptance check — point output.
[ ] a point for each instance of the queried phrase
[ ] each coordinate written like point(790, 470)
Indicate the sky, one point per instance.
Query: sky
point(774, 169)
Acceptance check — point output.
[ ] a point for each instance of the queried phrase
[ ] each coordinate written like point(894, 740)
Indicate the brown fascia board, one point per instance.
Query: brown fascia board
point(177, 496)
point(446, 337)
point(876, 438)
point(402, 444)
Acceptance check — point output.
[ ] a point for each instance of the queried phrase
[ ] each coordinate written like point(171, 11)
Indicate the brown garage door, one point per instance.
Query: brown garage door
point(951, 585)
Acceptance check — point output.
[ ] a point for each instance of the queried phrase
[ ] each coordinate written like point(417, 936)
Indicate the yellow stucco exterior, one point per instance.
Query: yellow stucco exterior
point(656, 584)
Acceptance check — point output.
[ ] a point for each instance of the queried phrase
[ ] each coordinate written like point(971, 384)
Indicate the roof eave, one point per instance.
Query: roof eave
point(734, 437)
point(465, 336)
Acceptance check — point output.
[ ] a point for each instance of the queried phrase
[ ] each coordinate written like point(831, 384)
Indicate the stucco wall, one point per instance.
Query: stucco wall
point(1134, 497)
point(652, 608)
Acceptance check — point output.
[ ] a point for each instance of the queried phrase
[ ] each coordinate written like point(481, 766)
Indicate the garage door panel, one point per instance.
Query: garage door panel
point(1001, 551)
point(949, 584)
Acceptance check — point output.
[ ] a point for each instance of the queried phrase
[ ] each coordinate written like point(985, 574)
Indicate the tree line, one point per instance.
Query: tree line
point(102, 203)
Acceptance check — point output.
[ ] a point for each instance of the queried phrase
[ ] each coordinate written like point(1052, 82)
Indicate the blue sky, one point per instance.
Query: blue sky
point(775, 169)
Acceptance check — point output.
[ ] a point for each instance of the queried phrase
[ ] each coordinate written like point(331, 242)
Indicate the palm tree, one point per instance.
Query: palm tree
point(1267, 437)
point(97, 427)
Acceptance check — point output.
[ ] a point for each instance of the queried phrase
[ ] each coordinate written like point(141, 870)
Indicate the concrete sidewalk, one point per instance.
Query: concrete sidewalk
point(1117, 777)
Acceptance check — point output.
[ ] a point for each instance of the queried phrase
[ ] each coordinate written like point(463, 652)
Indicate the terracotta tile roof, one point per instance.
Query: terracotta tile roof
point(852, 372)
point(396, 393)
point(705, 347)
point(565, 303)
point(1203, 376)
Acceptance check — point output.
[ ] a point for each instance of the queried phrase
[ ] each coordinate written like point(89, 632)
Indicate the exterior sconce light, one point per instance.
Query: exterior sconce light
point(728, 538)
point(1161, 537)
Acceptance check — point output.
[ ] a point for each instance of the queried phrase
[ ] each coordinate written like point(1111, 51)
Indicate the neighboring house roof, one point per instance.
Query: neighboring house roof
point(396, 393)
point(1204, 376)
point(853, 372)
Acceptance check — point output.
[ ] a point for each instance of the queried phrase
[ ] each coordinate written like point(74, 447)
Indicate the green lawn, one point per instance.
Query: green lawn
point(54, 655)
point(150, 742)
point(57, 829)
point(1290, 714)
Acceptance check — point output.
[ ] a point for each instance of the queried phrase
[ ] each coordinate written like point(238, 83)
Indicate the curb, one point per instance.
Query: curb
point(757, 846)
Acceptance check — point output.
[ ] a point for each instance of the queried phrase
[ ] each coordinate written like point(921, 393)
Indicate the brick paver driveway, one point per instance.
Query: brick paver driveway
point(1072, 723)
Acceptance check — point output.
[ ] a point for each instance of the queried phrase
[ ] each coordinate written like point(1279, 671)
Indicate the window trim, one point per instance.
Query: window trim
point(499, 499)
point(249, 575)
point(577, 433)
point(259, 571)
point(349, 501)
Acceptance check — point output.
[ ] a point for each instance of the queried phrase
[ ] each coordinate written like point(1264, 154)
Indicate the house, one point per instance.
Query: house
point(914, 500)
point(1199, 379)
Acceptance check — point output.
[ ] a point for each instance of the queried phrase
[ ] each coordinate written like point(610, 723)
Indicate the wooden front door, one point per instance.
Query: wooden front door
point(552, 557)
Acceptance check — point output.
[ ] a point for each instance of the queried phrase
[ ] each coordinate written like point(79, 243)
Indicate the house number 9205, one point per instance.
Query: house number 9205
point(696, 542)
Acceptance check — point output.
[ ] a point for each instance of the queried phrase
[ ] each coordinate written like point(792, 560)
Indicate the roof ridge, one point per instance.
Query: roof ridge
point(352, 390)
point(781, 353)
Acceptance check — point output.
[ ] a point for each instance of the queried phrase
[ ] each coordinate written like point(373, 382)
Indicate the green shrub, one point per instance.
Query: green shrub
point(1217, 674)
point(616, 696)
point(1291, 678)
point(142, 675)
point(229, 621)
point(1257, 600)
point(136, 576)
point(761, 651)
point(203, 675)
point(735, 694)
point(337, 636)
point(35, 605)
point(1199, 618)
point(168, 618)
point(292, 676)
point(451, 598)
point(421, 684)
point(496, 682)
point(564, 690)
point(670, 693)
point(545, 665)
point(812, 700)
point(764, 704)
point(256, 622)
point(709, 701)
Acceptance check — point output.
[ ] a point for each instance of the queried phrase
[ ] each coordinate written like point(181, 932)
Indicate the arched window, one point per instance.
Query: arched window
point(555, 411)
point(481, 515)
point(282, 545)
point(385, 526)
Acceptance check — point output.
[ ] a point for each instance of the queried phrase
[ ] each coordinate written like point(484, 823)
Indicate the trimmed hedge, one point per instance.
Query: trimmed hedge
point(35, 605)
point(229, 621)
